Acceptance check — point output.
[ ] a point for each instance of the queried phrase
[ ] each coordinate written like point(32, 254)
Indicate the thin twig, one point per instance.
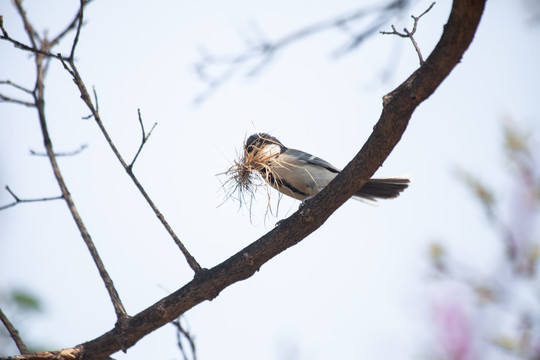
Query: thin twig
point(4, 98)
point(182, 333)
point(143, 140)
point(262, 50)
point(410, 34)
point(18, 200)
point(62, 154)
point(96, 102)
point(33, 49)
point(79, 25)
point(32, 34)
point(16, 86)
point(14, 334)
point(4, 32)
point(70, 67)
point(25, 47)
point(75, 22)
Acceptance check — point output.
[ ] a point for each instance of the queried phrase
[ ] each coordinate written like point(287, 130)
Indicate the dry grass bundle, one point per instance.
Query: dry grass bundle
point(249, 172)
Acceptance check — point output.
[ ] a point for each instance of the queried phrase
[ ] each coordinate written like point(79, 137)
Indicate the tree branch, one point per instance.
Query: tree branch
point(13, 333)
point(79, 21)
point(4, 98)
point(115, 298)
point(16, 86)
point(62, 154)
point(183, 333)
point(41, 50)
point(20, 201)
point(143, 140)
point(70, 67)
point(75, 23)
point(410, 34)
point(32, 34)
point(263, 50)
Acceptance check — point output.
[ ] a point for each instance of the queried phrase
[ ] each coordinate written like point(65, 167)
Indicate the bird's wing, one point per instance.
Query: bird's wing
point(311, 159)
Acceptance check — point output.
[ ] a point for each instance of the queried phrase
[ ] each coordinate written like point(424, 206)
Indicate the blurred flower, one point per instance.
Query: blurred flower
point(453, 330)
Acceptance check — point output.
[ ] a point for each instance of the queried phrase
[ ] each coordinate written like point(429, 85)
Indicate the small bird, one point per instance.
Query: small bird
point(301, 175)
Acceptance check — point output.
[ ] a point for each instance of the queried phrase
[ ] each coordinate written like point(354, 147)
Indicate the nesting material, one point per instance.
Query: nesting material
point(249, 172)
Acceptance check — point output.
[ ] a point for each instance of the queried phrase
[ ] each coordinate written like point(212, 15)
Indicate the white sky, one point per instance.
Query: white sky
point(348, 291)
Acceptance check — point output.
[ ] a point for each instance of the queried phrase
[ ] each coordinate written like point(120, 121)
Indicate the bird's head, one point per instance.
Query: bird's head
point(263, 146)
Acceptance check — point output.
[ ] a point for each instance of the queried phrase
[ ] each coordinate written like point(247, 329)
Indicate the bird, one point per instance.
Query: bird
point(301, 175)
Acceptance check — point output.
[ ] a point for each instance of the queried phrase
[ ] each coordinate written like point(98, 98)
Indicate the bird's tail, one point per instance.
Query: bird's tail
point(384, 188)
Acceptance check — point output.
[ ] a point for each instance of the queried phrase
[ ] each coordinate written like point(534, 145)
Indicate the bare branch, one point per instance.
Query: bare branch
point(34, 38)
point(422, 14)
point(144, 138)
point(62, 154)
point(262, 51)
point(79, 25)
point(4, 32)
point(117, 303)
point(181, 334)
point(70, 67)
point(358, 38)
point(41, 50)
point(20, 201)
point(4, 98)
point(14, 334)
point(410, 34)
point(25, 47)
point(75, 22)
point(32, 34)
point(16, 86)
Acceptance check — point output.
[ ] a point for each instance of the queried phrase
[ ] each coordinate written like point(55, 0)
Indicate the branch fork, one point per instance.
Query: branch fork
point(410, 34)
